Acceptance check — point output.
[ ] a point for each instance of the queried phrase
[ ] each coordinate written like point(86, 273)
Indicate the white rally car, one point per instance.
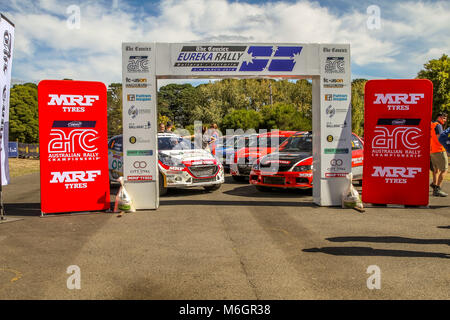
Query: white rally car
point(180, 163)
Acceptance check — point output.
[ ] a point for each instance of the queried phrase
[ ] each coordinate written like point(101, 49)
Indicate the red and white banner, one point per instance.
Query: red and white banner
point(73, 141)
point(397, 118)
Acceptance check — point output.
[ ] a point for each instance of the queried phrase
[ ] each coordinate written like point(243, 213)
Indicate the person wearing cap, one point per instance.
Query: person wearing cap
point(438, 155)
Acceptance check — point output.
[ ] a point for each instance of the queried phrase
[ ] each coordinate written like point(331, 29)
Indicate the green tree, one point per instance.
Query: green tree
point(358, 106)
point(438, 72)
point(114, 109)
point(241, 119)
point(284, 116)
point(23, 113)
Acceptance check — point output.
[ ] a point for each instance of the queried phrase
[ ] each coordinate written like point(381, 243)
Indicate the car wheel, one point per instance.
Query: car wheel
point(263, 189)
point(162, 189)
point(213, 187)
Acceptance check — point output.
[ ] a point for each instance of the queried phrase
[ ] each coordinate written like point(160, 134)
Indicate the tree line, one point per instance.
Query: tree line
point(230, 103)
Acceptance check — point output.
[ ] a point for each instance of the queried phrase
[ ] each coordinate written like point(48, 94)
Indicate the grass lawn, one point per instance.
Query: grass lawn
point(19, 167)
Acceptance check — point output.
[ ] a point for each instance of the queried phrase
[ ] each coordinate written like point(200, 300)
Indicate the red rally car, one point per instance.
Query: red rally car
point(259, 145)
point(295, 164)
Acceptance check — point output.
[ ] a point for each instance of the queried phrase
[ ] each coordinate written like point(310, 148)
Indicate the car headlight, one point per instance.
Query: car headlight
point(171, 162)
point(302, 168)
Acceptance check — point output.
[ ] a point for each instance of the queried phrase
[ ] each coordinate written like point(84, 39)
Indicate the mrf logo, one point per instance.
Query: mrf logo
point(396, 174)
point(70, 102)
point(74, 179)
point(398, 101)
point(270, 58)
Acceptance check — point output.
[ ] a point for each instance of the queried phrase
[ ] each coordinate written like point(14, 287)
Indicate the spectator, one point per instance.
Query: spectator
point(438, 155)
point(214, 137)
point(162, 127)
point(169, 126)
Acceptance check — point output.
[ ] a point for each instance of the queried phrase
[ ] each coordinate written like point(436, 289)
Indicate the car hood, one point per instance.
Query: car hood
point(196, 156)
point(285, 158)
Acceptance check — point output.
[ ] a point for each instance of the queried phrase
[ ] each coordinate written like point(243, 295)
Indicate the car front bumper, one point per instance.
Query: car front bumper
point(300, 180)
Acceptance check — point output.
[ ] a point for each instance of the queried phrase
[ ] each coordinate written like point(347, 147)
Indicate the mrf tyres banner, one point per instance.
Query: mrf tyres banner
point(7, 38)
point(74, 146)
point(397, 118)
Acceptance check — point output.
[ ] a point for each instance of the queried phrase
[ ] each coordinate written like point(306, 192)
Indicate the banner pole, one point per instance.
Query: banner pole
point(2, 213)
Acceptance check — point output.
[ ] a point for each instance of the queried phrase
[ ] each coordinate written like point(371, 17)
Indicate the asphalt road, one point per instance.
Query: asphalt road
point(235, 243)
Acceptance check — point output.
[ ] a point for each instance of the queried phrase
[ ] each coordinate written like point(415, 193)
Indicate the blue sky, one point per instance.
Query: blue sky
point(409, 34)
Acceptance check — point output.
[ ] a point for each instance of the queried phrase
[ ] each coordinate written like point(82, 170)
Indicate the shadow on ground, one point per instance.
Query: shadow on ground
point(22, 209)
point(389, 240)
point(368, 251)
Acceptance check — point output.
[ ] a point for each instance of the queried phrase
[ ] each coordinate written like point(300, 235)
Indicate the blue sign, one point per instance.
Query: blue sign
point(13, 150)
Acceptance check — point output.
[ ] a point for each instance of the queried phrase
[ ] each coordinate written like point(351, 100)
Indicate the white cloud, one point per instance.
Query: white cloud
point(411, 33)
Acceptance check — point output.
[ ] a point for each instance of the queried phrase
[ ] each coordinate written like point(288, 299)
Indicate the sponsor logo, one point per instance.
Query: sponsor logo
point(139, 152)
point(335, 174)
point(396, 174)
point(75, 144)
point(139, 97)
point(133, 125)
point(69, 102)
point(335, 65)
point(136, 83)
point(335, 50)
point(357, 160)
point(305, 175)
point(75, 124)
point(398, 101)
point(74, 179)
point(133, 111)
point(137, 64)
point(336, 162)
point(228, 58)
point(6, 50)
point(336, 166)
point(398, 141)
point(137, 48)
point(140, 168)
point(140, 178)
point(335, 97)
point(139, 164)
point(335, 150)
point(330, 111)
point(336, 125)
point(134, 140)
point(333, 83)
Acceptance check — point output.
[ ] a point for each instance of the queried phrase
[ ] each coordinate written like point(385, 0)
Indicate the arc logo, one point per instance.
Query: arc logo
point(137, 64)
point(335, 65)
point(399, 137)
point(81, 136)
point(270, 58)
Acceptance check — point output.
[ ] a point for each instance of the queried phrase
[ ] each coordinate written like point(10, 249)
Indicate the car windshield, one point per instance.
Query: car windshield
point(267, 142)
point(301, 143)
point(241, 142)
point(174, 143)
